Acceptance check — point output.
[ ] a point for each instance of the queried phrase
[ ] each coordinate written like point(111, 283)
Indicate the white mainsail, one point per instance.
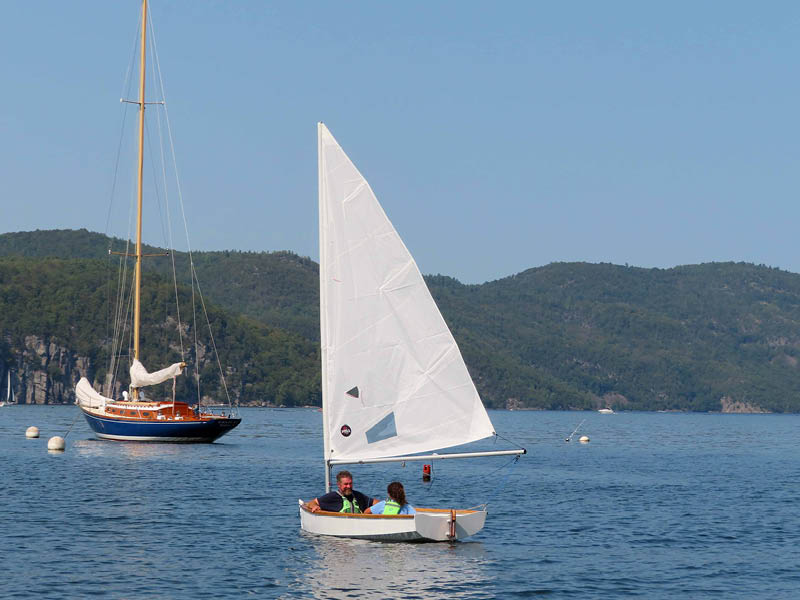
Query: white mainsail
point(394, 381)
point(141, 378)
point(10, 392)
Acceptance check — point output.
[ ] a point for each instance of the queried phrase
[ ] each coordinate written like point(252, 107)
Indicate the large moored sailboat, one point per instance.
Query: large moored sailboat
point(135, 417)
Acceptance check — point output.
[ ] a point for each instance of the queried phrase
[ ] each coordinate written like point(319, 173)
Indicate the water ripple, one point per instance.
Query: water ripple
point(656, 506)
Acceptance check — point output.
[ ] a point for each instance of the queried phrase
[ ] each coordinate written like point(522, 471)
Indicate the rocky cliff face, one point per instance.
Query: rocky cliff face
point(46, 373)
point(729, 405)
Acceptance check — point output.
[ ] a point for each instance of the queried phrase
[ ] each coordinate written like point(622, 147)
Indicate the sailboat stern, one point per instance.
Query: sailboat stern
point(448, 525)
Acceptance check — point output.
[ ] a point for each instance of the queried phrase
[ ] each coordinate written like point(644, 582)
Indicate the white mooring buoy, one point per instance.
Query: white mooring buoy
point(55, 444)
point(584, 439)
point(32, 432)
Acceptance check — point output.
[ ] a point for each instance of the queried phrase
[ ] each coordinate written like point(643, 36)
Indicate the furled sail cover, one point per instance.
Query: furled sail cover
point(87, 396)
point(395, 379)
point(141, 378)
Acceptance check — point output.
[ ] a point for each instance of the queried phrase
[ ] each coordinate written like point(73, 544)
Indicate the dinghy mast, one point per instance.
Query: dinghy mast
point(323, 333)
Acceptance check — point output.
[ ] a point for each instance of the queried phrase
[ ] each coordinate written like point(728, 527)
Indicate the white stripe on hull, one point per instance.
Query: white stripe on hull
point(157, 438)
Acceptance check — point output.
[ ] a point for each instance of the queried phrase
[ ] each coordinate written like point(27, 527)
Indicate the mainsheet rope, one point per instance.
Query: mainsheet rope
point(503, 483)
point(510, 464)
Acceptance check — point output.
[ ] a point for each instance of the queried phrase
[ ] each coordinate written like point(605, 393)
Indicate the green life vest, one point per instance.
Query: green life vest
point(391, 508)
point(349, 507)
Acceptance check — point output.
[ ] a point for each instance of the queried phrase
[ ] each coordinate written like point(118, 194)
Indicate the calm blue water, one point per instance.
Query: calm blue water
point(655, 506)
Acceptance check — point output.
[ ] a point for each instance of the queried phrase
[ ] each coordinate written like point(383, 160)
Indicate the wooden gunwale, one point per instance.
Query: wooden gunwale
point(327, 513)
point(168, 417)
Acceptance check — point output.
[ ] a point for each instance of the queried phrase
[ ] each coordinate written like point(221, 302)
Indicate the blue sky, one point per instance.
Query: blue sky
point(498, 136)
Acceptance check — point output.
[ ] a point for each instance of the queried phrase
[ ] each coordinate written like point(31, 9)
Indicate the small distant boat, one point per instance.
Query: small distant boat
point(606, 411)
point(10, 398)
point(393, 379)
point(135, 418)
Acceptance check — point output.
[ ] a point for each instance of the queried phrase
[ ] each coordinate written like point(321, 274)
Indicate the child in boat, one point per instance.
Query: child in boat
point(396, 503)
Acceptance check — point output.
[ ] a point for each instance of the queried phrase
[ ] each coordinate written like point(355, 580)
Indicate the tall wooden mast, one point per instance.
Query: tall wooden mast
point(138, 286)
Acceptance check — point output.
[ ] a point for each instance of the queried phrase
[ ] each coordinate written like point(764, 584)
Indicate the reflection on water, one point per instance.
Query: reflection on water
point(88, 448)
point(348, 568)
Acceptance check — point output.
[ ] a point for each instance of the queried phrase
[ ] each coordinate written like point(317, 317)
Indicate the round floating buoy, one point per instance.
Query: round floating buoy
point(32, 432)
point(426, 472)
point(55, 444)
point(584, 439)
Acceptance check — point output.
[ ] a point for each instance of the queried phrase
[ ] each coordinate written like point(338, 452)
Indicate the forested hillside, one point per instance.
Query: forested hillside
point(699, 337)
point(57, 327)
point(276, 288)
point(709, 337)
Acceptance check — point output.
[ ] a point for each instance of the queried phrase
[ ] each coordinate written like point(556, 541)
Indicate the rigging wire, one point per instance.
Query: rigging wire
point(112, 323)
point(192, 269)
point(122, 317)
point(194, 331)
point(163, 210)
point(168, 234)
point(192, 274)
point(122, 312)
point(497, 436)
point(213, 342)
point(155, 169)
point(498, 491)
point(126, 83)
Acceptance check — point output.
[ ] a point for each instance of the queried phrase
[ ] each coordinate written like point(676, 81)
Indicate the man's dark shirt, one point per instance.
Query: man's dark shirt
point(332, 501)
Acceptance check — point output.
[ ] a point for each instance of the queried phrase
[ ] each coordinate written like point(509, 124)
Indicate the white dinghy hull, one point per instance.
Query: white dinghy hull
point(428, 525)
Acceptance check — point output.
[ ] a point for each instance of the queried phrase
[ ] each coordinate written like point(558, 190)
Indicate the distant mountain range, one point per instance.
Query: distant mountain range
point(710, 337)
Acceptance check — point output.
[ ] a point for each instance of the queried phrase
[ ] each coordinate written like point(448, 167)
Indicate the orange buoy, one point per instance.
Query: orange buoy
point(426, 472)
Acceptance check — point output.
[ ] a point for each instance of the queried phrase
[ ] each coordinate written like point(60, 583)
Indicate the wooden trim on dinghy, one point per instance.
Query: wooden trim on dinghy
point(327, 513)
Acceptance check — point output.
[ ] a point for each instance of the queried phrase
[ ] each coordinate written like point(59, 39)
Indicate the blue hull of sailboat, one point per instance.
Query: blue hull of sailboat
point(160, 431)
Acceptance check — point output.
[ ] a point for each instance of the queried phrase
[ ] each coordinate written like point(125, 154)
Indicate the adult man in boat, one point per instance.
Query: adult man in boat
point(345, 499)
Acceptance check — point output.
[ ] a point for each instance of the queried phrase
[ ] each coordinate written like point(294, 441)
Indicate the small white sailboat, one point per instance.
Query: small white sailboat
point(394, 383)
point(606, 411)
point(10, 398)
